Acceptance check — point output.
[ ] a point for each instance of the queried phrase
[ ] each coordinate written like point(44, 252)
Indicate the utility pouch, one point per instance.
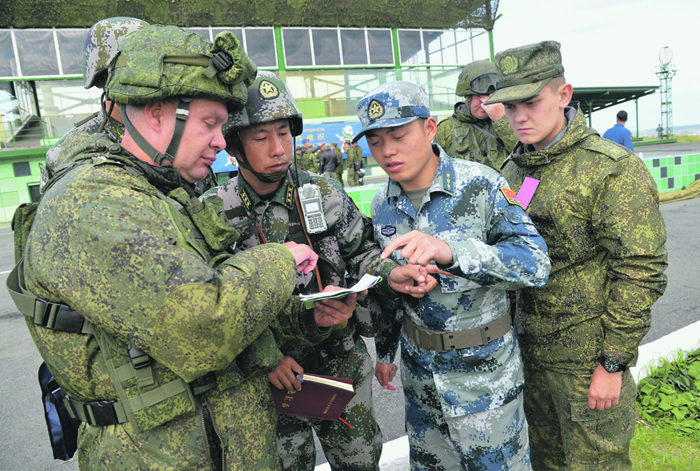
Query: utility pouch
point(63, 431)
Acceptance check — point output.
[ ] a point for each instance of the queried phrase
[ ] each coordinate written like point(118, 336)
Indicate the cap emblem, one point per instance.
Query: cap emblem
point(268, 90)
point(375, 110)
point(509, 65)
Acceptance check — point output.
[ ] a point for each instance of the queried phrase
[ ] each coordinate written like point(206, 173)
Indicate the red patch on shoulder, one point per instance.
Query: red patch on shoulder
point(510, 197)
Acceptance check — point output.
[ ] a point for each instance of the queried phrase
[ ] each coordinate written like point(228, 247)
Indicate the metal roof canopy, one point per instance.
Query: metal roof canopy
point(598, 98)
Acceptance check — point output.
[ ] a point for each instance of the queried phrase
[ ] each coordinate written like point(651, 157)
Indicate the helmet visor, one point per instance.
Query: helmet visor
point(484, 84)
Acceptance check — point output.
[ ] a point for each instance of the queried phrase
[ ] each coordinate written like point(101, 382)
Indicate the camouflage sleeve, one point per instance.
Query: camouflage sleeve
point(503, 131)
point(358, 248)
point(443, 136)
point(629, 225)
point(513, 256)
point(107, 246)
point(387, 342)
point(295, 327)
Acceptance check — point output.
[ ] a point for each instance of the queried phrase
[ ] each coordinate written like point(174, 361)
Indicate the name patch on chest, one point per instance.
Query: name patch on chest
point(510, 197)
point(388, 231)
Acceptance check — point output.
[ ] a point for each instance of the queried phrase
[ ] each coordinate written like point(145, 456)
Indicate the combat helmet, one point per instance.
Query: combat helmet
point(102, 43)
point(269, 99)
point(159, 62)
point(477, 78)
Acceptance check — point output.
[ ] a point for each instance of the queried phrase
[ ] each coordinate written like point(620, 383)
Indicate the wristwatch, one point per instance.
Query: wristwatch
point(611, 365)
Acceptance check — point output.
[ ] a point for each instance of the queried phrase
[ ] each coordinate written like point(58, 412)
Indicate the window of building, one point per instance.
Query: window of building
point(260, 46)
point(34, 193)
point(36, 52)
point(354, 46)
point(381, 50)
point(297, 47)
point(8, 66)
point(21, 169)
point(326, 46)
point(71, 44)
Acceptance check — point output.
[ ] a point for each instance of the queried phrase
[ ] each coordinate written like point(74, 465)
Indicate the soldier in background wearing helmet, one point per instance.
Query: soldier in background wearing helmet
point(156, 333)
point(264, 203)
point(597, 207)
point(475, 131)
point(101, 45)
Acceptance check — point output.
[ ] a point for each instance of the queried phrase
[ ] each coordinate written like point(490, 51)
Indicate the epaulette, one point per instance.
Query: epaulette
point(83, 121)
point(606, 147)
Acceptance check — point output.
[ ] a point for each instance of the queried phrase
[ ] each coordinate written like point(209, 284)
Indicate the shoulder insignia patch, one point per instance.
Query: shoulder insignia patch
point(510, 197)
point(388, 231)
point(44, 176)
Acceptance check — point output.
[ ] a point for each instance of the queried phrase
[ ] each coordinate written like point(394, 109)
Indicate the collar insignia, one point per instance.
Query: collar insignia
point(289, 197)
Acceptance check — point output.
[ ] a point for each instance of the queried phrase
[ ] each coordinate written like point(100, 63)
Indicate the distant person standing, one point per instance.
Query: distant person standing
point(619, 133)
point(660, 130)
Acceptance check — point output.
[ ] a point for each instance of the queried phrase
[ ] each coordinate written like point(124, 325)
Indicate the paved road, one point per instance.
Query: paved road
point(23, 441)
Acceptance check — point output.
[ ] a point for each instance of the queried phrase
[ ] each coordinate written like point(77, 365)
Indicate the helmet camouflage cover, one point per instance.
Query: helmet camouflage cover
point(269, 99)
point(470, 72)
point(102, 43)
point(159, 62)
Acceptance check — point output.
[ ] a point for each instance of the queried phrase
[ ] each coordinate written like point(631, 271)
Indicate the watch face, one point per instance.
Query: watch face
point(611, 366)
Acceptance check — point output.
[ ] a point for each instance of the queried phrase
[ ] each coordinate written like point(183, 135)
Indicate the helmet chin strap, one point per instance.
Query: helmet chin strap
point(243, 162)
point(181, 114)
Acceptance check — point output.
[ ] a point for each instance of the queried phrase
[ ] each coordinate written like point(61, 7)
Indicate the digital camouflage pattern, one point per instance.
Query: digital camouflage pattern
point(58, 154)
point(524, 71)
point(495, 249)
point(345, 448)
point(269, 99)
point(464, 137)
point(469, 73)
point(392, 104)
point(354, 156)
point(128, 246)
point(566, 434)
point(597, 207)
point(492, 439)
point(102, 43)
point(347, 246)
point(142, 74)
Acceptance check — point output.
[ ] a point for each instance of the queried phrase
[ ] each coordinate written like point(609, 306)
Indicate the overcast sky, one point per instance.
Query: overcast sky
point(615, 43)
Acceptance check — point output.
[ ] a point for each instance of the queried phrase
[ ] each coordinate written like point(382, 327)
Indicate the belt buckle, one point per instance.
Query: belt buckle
point(102, 412)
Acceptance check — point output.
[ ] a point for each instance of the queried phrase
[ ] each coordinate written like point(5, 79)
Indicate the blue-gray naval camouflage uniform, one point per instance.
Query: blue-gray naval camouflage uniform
point(464, 407)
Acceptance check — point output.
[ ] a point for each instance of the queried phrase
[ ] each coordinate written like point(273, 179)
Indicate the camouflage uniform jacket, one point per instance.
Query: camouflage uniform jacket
point(346, 246)
point(341, 164)
point(461, 138)
point(310, 159)
point(127, 246)
point(58, 154)
point(354, 155)
point(597, 208)
point(495, 248)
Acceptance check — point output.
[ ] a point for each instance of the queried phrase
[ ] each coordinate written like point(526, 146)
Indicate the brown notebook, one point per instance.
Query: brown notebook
point(321, 397)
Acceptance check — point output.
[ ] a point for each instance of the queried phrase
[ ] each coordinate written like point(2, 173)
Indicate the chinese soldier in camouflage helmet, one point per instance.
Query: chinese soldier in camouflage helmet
point(476, 131)
point(101, 45)
point(597, 207)
point(264, 202)
point(461, 369)
point(158, 335)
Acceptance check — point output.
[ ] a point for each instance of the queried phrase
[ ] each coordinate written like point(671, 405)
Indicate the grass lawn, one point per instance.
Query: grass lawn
point(663, 449)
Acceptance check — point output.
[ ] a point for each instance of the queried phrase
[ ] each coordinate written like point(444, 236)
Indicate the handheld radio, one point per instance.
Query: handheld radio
point(312, 208)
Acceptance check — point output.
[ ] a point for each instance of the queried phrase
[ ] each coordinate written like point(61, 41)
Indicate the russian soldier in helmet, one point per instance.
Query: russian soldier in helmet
point(157, 334)
point(475, 131)
point(265, 201)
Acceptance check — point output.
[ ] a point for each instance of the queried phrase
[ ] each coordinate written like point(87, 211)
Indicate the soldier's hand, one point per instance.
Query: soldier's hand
point(285, 375)
point(604, 392)
point(420, 249)
point(495, 111)
point(413, 279)
point(385, 372)
point(329, 312)
point(304, 256)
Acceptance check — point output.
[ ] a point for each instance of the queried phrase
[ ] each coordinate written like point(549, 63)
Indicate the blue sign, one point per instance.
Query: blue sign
point(224, 163)
point(333, 132)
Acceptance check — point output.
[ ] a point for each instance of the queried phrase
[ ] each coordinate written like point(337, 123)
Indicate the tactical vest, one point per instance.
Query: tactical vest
point(239, 211)
point(466, 144)
point(149, 394)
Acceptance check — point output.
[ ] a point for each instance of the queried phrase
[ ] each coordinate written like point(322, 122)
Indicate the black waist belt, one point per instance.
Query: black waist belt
point(442, 341)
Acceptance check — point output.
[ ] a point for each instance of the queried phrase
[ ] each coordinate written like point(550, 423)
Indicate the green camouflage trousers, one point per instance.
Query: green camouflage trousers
point(484, 441)
point(346, 448)
point(565, 434)
point(331, 176)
